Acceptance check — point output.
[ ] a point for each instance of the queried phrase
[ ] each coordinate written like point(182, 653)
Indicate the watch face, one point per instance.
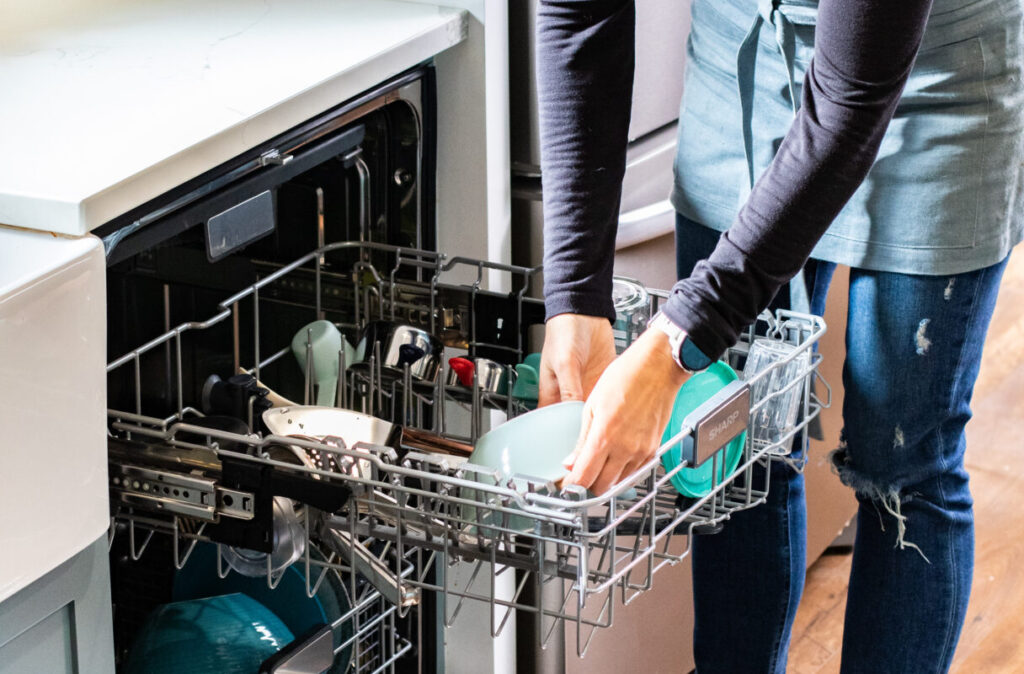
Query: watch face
point(692, 357)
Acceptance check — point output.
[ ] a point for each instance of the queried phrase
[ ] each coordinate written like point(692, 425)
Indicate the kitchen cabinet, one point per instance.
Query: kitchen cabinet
point(61, 623)
point(53, 484)
point(55, 613)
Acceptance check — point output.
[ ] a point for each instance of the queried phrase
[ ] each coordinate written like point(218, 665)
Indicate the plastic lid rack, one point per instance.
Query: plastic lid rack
point(402, 516)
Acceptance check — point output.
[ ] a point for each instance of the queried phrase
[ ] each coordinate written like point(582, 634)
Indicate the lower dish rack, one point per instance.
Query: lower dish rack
point(398, 521)
point(363, 632)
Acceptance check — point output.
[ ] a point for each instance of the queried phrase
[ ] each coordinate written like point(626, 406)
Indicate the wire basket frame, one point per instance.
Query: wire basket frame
point(438, 516)
point(368, 631)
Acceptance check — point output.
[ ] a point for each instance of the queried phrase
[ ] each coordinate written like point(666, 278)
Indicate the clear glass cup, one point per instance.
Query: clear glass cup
point(775, 396)
point(632, 305)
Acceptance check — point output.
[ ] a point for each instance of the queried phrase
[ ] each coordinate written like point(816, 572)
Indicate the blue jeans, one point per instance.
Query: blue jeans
point(914, 346)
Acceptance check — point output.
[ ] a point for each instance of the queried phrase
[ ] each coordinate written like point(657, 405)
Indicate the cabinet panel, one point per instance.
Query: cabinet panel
point(62, 621)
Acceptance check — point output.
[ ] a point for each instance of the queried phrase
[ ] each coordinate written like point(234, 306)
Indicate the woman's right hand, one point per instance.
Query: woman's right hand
point(577, 349)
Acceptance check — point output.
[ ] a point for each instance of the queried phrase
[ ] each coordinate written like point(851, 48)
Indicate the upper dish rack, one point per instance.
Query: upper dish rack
point(416, 521)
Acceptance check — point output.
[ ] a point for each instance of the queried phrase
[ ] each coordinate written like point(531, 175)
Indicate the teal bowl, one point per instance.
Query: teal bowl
point(288, 601)
point(228, 633)
point(526, 387)
point(698, 481)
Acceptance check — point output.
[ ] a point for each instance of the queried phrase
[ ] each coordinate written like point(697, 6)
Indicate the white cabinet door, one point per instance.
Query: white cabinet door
point(53, 450)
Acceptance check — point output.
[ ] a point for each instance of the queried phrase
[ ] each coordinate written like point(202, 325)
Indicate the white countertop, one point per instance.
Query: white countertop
point(98, 118)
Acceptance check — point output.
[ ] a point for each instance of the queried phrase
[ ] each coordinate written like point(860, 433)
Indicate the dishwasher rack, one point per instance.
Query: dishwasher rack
point(368, 631)
point(437, 523)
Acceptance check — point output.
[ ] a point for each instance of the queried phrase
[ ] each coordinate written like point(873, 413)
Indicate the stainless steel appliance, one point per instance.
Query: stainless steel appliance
point(646, 215)
point(360, 172)
point(646, 222)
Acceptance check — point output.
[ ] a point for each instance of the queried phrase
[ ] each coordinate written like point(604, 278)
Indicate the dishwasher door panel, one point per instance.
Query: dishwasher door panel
point(652, 634)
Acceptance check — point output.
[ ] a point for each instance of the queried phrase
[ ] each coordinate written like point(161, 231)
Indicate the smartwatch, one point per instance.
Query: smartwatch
point(685, 353)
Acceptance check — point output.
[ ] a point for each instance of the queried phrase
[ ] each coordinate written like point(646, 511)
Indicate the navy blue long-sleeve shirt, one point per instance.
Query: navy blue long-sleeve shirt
point(864, 52)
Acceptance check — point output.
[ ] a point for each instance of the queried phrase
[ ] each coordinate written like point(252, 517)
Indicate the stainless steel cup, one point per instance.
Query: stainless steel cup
point(401, 345)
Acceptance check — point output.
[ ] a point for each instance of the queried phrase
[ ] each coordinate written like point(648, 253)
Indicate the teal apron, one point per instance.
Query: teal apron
point(945, 193)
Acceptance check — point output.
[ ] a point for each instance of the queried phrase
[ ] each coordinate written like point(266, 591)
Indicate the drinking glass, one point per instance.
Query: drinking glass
point(776, 395)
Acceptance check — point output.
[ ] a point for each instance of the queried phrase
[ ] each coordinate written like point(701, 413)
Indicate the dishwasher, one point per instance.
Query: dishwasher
point(211, 292)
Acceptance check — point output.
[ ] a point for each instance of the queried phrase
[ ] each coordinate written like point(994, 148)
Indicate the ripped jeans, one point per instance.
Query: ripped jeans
point(914, 346)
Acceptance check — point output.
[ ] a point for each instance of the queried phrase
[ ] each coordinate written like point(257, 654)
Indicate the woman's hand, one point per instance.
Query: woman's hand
point(576, 351)
point(626, 414)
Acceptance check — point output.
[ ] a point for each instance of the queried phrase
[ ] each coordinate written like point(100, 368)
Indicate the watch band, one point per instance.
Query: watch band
point(685, 353)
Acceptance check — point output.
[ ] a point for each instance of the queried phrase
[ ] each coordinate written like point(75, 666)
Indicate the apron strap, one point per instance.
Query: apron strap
point(746, 60)
point(746, 63)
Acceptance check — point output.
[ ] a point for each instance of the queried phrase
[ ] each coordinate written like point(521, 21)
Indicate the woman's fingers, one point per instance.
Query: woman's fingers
point(591, 454)
point(570, 382)
point(626, 414)
point(560, 381)
point(609, 476)
point(547, 393)
point(587, 419)
point(576, 351)
point(622, 459)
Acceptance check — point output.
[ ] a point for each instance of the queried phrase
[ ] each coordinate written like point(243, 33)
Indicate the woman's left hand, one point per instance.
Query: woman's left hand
point(626, 414)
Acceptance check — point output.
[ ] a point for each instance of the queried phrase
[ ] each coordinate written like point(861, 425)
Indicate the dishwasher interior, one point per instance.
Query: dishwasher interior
point(209, 317)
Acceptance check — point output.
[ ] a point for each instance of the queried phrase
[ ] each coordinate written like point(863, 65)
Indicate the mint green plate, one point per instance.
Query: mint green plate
point(697, 482)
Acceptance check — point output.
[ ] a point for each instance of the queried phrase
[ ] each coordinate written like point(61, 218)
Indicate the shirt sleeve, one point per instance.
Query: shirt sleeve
point(864, 52)
point(585, 88)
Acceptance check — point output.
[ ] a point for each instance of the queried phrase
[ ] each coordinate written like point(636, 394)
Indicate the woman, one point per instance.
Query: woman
point(881, 134)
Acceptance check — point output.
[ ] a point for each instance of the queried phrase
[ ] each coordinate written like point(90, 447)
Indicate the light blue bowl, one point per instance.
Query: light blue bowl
point(228, 633)
point(532, 445)
point(327, 343)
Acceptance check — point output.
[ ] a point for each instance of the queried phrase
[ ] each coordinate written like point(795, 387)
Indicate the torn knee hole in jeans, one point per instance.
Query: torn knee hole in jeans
point(887, 496)
point(921, 341)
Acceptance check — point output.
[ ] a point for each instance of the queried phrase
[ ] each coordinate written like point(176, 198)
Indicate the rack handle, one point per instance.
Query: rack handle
point(716, 422)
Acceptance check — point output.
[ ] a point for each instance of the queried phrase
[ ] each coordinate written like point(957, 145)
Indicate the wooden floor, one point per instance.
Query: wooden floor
point(991, 641)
